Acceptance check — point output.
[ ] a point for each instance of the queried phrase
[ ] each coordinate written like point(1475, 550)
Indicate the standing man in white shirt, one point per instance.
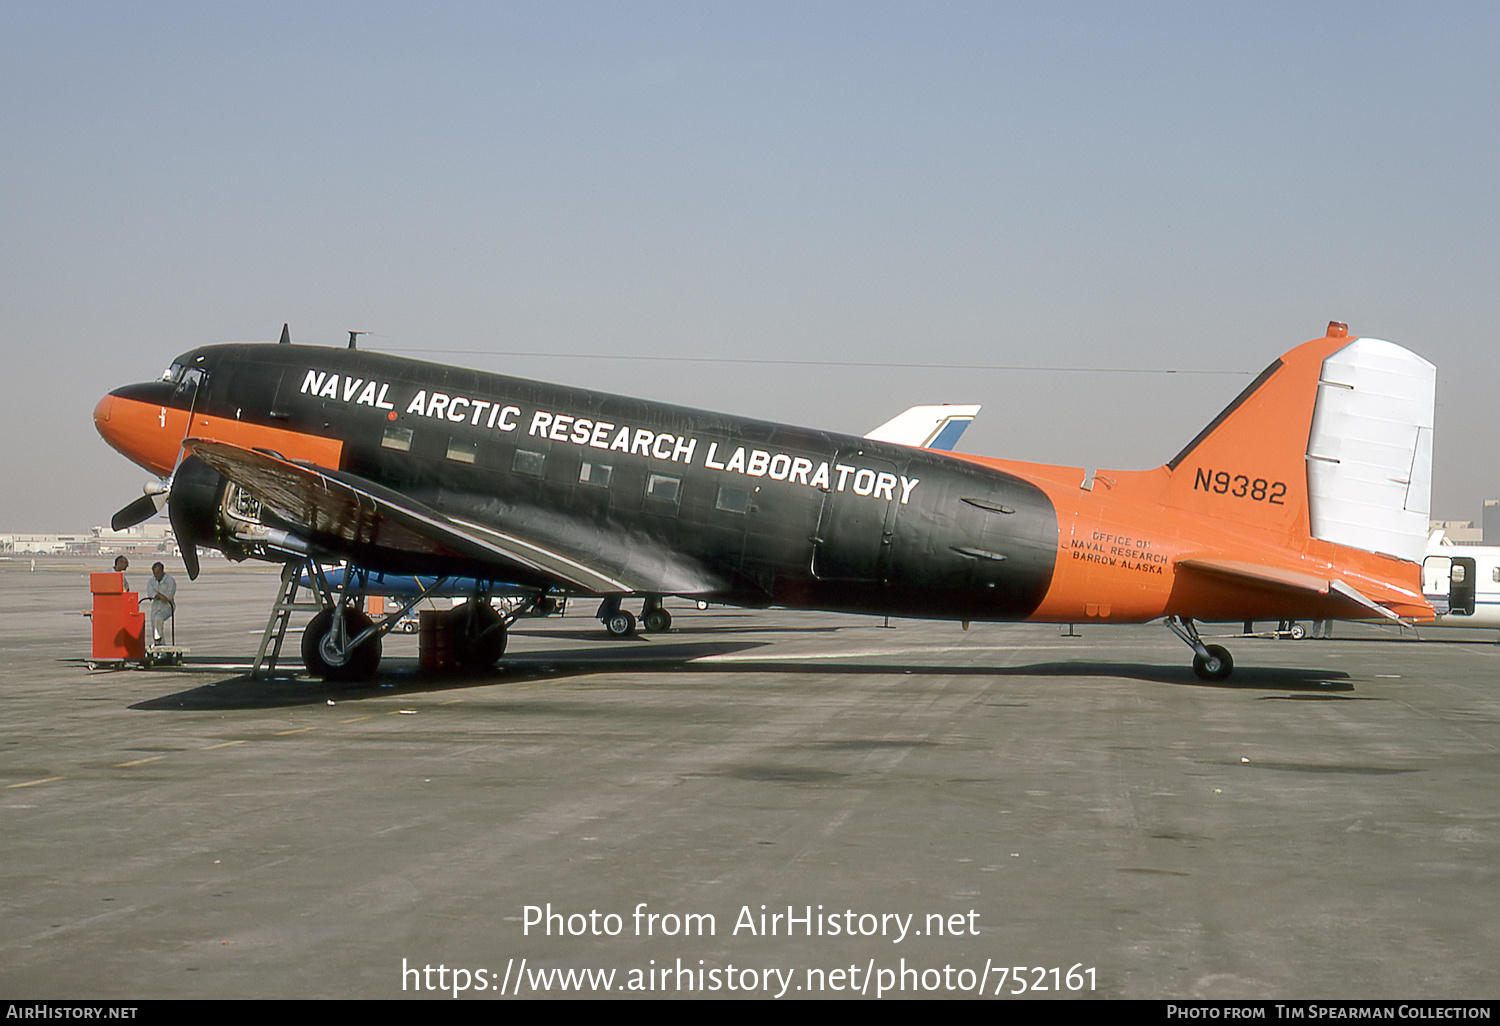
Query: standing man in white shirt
point(161, 589)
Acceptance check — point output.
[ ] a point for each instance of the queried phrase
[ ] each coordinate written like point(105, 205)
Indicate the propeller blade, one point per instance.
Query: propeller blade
point(196, 491)
point(142, 509)
point(190, 560)
point(187, 544)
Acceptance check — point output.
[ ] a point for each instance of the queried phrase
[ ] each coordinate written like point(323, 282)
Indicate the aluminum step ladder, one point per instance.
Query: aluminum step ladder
point(281, 613)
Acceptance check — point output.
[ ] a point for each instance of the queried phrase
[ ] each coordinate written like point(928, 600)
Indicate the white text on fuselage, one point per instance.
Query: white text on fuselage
point(329, 386)
point(664, 446)
point(669, 447)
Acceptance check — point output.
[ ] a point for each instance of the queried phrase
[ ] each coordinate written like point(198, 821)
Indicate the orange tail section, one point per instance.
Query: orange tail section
point(1248, 465)
point(1331, 442)
point(1307, 497)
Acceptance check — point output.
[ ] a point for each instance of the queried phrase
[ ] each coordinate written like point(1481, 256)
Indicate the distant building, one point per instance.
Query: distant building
point(45, 544)
point(1491, 521)
point(143, 540)
point(1459, 532)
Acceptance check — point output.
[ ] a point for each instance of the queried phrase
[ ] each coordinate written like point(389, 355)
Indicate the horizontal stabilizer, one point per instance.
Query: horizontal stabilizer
point(1257, 573)
point(1281, 578)
point(1354, 596)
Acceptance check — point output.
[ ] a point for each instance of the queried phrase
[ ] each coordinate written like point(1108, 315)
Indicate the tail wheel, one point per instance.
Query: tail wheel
point(1217, 665)
point(657, 619)
point(484, 639)
point(1298, 632)
point(323, 658)
point(620, 624)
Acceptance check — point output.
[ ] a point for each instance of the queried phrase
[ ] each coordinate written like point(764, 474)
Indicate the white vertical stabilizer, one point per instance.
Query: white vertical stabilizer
point(927, 427)
point(1369, 454)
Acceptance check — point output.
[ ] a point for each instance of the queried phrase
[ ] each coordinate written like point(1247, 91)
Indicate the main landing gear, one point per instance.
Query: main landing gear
point(620, 623)
point(342, 643)
point(1210, 662)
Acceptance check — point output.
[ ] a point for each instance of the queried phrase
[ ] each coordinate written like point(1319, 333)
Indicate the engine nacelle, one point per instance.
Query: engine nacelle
point(207, 509)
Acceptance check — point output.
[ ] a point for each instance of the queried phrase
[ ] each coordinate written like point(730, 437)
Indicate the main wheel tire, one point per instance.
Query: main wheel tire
point(544, 606)
point(1218, 666)
point(483, 641)
point(657, 619)
point(322, 661)
point(621, 624)
point(1298, 632)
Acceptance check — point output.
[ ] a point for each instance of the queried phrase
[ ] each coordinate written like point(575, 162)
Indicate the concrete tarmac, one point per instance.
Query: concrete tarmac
point(1324, 825)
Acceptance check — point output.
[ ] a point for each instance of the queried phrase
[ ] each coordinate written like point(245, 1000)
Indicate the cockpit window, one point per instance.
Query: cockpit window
point(172, 372)
point(188, 380)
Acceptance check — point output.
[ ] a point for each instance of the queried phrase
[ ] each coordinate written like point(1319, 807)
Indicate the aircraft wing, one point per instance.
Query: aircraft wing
point(1279, 578)
point(345, 511)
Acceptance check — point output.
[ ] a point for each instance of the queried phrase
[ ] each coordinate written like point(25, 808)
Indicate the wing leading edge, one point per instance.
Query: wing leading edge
point(348, 515)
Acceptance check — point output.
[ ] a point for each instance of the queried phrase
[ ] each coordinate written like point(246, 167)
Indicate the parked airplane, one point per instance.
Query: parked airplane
point(1462, 582)
point(1305, 498)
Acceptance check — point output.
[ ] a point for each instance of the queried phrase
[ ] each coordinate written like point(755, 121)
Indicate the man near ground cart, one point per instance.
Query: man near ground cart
point(161, 589)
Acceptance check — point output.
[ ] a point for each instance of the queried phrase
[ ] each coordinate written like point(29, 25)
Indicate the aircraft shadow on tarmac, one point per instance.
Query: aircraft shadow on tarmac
point(1246, 678)
point(592, 635)
point(403, 676)
point(1469, 638)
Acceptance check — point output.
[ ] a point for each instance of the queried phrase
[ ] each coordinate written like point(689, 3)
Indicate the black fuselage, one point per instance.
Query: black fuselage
point(721, 507)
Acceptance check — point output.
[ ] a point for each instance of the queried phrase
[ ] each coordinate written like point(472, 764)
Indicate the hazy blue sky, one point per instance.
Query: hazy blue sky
point(1194, 186)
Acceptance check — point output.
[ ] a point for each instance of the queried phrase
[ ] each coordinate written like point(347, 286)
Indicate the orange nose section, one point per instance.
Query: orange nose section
point(146, 434)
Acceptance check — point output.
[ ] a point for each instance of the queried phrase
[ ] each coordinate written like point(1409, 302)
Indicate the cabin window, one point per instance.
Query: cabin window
point(667, 489)
point(398, 438)
point(595, 474)
point(733, 500)
point(527, 462)
point(1495, 574)
point(1456, 575)
point(461, 450)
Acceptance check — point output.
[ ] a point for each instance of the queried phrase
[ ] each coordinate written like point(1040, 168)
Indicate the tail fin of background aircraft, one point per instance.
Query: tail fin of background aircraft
point(927, 427)
point(1332, 441)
